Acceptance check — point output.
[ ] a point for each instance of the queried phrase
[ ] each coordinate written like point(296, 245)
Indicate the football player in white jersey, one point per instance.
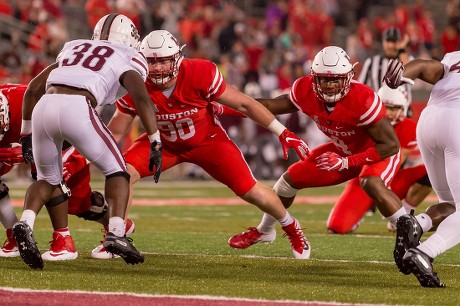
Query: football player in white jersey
point(437, 135)
point(59, 105)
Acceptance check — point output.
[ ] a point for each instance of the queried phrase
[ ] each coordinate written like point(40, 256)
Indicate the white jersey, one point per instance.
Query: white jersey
point(446, 90)
point(96, 66)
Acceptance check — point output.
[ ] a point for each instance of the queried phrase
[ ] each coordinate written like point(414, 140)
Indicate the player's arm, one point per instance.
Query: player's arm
point(133, 82)
point(384, 136)
point(279, 105)
point(35, 90)
point(119, 125)
point(261, 115)
point(429, 71)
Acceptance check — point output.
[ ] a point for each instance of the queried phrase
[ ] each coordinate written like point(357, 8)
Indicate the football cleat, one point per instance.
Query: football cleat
point(100, 252)
point(299, 244)
point(9, 249)
point(27, 246)
point(122, 246)
point(408, 234)
point(250, 237)
point(62, 248)
point(420, 264)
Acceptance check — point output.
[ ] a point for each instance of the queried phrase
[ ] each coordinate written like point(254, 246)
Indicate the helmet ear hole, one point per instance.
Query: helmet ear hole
point(333, 63)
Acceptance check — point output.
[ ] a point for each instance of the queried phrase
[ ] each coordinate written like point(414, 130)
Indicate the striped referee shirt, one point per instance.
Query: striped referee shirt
point(374, 69)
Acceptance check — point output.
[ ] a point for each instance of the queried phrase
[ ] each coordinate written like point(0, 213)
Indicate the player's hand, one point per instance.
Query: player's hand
point(26, 144)
point(331, 161)
point(393, 76)
point(11, 156)
point(156, 149)
point(290, 140)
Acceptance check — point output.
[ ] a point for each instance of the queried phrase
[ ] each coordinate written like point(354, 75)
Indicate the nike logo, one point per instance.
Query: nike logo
point(213, 135)
point(121, 242)
point(339, 127)
point(289, 138)
point(369, 160)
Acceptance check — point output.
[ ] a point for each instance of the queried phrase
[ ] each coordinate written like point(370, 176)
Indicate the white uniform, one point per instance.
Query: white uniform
point(95, 66)
point(438, 138)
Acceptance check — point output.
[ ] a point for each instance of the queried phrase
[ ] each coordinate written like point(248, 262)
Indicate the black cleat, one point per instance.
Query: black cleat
point(420, 264)
point(122, 246)
point(408, 234)
point(27, 246)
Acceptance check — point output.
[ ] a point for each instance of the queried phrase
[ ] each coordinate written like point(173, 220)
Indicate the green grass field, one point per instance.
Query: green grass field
point(186, 253)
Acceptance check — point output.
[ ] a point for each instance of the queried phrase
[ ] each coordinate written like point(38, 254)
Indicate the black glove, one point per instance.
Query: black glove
point(393, 76)
point(155, 159)
point(26, 143)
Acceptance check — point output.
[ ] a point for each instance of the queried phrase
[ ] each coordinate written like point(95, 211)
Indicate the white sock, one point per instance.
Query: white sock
point(117, 226)
point(407, 206)
point(425, 222)
point(29, 216)
point(7, 216)
point(267, 225)
point(447, 236)
point(396, 215)
point(286, 220)
point(63, 231)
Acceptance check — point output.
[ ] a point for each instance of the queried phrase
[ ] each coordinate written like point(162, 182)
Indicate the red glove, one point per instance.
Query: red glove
point(330, 161)
point(290, 140)
point(393, 76)
point(11, 156)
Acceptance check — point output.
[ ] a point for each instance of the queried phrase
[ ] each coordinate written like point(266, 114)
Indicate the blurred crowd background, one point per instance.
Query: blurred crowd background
point(260, 46)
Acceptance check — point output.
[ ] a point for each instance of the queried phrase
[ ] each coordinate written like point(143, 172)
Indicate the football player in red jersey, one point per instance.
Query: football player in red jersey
point(182, 91)
point(83, 202)
point(363, 142)
point(354, 202)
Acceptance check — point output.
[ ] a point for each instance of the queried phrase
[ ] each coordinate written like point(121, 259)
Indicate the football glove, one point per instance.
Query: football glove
point(393, 76)
point(11, 156)
point(330, 161)
point(156, 148)
point(289, 140)
point(26, 144)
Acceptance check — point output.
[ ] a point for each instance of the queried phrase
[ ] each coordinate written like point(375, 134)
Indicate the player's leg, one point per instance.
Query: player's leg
point(8, 219)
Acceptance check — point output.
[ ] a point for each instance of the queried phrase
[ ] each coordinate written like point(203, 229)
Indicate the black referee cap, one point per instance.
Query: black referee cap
point(391, 34)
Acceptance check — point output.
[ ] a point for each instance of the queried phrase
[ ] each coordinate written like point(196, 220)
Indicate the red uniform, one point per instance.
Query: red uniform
point(354, 202)
point(346, 125)
point(78, 181)
point(190, 131)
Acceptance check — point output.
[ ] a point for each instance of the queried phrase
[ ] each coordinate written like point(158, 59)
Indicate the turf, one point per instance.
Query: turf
point(187, 254)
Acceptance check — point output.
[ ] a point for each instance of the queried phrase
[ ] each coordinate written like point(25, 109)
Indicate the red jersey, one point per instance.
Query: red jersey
point(185, 118)
point(405, 130)
point(14, 95)
point(347, 124)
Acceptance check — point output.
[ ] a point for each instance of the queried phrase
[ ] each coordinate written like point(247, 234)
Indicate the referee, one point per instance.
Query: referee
point(374, 67)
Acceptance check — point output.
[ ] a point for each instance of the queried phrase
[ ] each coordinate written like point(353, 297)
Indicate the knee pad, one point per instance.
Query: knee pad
point(119, 173)
point(98, 207)
point(60, 198)
point(282, 188)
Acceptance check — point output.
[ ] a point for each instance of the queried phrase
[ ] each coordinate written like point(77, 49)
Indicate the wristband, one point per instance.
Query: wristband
point(155, 137)
point(276, 127)
point(368, 157)
point(26, 127)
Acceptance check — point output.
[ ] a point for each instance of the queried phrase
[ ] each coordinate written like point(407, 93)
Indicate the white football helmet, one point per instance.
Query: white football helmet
point(393, 98)
point(4, 115)
point(117, 29)
point(160, 45)
point(332, 72)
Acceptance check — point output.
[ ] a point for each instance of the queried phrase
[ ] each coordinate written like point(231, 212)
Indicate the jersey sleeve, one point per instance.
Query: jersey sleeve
point(126, 105)
point(139, 64)
point(373, 111)
point(218, 85)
